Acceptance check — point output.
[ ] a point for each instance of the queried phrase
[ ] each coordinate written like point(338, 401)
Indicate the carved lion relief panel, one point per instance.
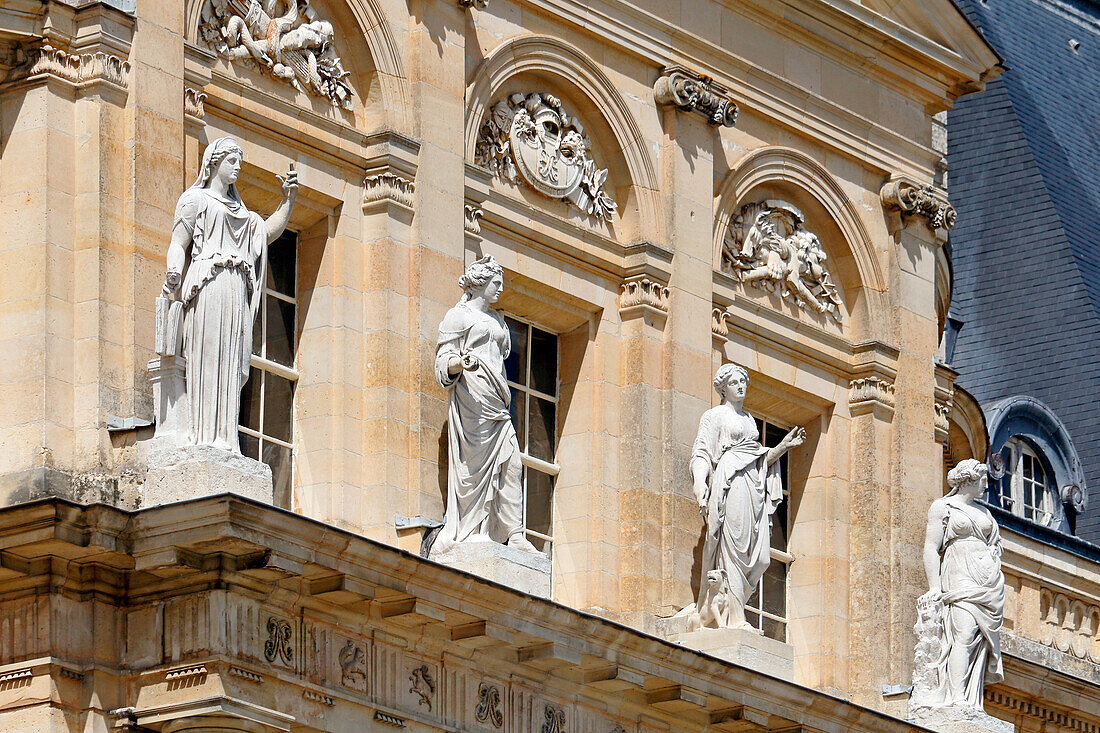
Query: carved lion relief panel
point(284, 39)
point(767, 246)
point(531, 138)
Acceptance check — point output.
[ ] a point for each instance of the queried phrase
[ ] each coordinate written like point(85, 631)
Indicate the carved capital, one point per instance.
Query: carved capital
point(80, 69)
point(193, 101)
point(387, 187)
point(642, 296)
point(871, 394)
point(693, 92)
point(909, 200)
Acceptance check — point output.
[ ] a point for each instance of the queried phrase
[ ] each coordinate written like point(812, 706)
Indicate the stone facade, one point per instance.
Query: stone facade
point(319, 614)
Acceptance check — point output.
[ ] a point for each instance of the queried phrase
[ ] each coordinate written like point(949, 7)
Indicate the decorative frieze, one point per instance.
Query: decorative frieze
point(388, 719)
point(318, 697)
point(246, 675)
point(1061, 719)
point(296, 47)
point(185, 673)
point(555, 720)
point(472, 218)
point(76, 68)
point(693, 92)
point(1069, 624)
point(193, 101)
point(422, 685)
point(643, 296)
point(767, 246)
point(277, 647)
point(869, 393)
point(353, 666)
point(388, 186)
point(489, 706)
point(912, 200)
point(530, 137)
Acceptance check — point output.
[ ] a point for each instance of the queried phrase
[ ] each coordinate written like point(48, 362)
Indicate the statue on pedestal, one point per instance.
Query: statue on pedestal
point(738, 487)
point(484, 477)
point(218, 255)
point(960, 616)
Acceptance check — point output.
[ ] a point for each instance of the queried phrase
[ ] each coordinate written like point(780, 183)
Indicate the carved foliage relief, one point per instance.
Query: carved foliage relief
point(283, 38)
point(530, 137)
point(767, 246)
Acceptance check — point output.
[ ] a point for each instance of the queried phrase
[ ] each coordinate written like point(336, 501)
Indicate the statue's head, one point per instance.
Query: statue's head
point(222, 159)
point(968, 473)
point(731, 382)
point(483, 277)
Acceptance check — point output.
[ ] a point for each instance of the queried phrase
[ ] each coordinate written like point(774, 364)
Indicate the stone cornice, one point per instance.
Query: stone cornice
point(304, 571)
point(909, 199)
point(82, 70)
point(691, 92)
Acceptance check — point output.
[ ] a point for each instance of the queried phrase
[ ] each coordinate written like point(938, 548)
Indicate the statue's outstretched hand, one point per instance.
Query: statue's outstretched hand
point(795, 438)
point(289, 184)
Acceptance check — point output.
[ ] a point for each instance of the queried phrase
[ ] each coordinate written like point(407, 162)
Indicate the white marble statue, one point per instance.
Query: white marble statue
point(966, 596)
point(738, 487)
point(216, 265)
point(484, 478)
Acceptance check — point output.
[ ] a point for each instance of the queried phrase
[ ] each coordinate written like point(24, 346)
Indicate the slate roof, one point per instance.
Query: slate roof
point(1025, 179)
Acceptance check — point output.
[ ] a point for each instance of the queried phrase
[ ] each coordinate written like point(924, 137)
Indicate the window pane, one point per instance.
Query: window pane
point(540, 489)
point(773, 435)
point(250, 446)
point(280, 331)
point(775, 589)
point(515, 366)
point(753, 618)
point(279, 458)
point(544, 361)
point(519, 417)
point(258, 333)
point(282, 258)
point(775, 629)
point(250, 401)
point(754, 600)
point(540, 442)
point(779, 526)
point(278, 399)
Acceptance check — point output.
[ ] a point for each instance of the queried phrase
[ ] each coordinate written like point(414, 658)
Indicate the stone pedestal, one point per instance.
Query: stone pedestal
point(178, 473)
point(741, 646)
point(959, 719)
point(525, 571)
point(168, 375)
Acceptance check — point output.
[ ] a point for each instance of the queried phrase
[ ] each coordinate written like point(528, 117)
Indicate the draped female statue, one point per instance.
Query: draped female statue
point(738, 487)
point(217, 261)
point(484, 480)
point(966, 596)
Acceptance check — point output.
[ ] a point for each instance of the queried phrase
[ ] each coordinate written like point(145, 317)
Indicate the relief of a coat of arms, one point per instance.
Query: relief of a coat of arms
point(531, 137)
point(768, 246)
point(284, 38)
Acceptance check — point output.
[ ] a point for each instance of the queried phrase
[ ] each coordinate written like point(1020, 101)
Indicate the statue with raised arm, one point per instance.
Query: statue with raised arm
point(738, 487)
point(216, 266)
point(964, 606)
point(484, 477)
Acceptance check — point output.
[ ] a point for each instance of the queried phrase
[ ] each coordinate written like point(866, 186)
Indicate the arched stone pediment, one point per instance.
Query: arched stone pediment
point(848, 282)
point(562, 66)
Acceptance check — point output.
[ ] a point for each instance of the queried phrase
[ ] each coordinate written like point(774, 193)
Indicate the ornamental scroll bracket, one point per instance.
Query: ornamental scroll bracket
point(767, 246)
point(531, 138)
point(905, 200)
point(692, 92)
point(286, 40)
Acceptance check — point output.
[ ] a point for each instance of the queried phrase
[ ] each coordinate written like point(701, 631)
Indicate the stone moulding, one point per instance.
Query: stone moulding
point(318, 697)
point(643, 296)
point(388, 187)
point(245, 674)
point(81, 69)
point(910, 199)
point(691, 92)
point(531, 138)
point(768, 246)
point(183, 673)
point(873, 393)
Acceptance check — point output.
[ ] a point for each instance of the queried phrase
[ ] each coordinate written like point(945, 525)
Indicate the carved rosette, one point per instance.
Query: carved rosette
point(693, 92)
point(530, 137)
point(925, 201)
point(872, 393)
point(296, 47)
point(76, 68)
point(643, 296)
point(387, 186)
point(767, 246)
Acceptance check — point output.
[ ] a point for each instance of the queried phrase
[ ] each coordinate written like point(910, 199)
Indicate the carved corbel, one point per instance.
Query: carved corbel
point(871, 394)
point(693, 92)
point(193, 101)
point(719, 325)
point(904, 199)
point(942, 420)
point(82, 70)
point(641, 296)
point(386, 188)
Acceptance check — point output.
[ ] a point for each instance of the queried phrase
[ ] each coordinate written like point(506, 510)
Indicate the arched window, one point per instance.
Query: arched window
point(1028, 487)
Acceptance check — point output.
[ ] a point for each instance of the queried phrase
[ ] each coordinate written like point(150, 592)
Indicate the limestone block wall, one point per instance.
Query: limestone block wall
point(394, 204)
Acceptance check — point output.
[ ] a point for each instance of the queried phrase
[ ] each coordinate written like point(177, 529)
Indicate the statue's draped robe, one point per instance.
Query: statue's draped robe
point(972, 584)
point(744, 493)
point(221, 289)
point(484, 480)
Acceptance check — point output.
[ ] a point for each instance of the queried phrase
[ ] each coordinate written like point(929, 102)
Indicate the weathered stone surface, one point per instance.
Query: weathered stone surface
point(520, 569)
point(960, 719)
point(744, 647)
point(179, 473)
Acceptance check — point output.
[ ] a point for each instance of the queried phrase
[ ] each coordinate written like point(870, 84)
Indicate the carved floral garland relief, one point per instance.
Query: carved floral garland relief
point(284, 38)
point(768, 246)
point(531, 137)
